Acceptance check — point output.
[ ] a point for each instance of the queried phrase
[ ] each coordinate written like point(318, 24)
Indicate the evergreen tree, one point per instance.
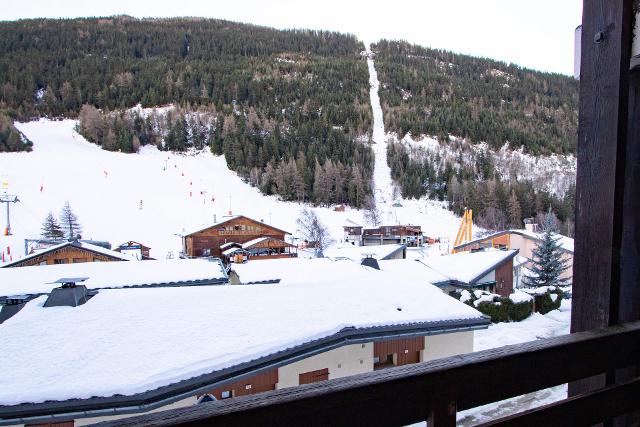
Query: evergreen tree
point(51, 228)
point(69, 222)
point(548, 264)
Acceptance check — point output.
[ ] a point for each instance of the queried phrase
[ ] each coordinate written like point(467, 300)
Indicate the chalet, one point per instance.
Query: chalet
point(135, 250)
point(210, 240)
point(70, 252)
point(352, 233)
point(525, 241)
point(410, 235)
point(389, 324)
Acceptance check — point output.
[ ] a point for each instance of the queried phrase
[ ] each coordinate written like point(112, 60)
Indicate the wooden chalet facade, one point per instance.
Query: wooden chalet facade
point(410, 235)
point(241, 230)
point(68, 253)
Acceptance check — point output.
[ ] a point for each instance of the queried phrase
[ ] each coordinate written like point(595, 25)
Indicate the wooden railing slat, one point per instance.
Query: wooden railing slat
point(583, 410)
point(404, 395)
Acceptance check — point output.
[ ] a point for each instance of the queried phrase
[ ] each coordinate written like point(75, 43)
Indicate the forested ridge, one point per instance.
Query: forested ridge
point(430, 92)
point(438, 93)
point(288, 109)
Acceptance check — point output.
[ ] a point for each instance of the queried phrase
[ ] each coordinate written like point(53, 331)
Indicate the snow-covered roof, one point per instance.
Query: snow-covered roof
point(128, 341)
point(229, 244)
point(301, 270)
point(467, 267)
point(254, 242)
point(412, 270)
point(232, 250)
point(76, 243)
point(188, 232)
point(349, 223)
point(565, 242)
point(38, 279)
point(356, 253)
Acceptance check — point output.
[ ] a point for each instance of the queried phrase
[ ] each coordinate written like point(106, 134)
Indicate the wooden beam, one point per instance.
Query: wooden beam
point(601, 148)
point(412, 393)
point(584, 410)
point(601, 180)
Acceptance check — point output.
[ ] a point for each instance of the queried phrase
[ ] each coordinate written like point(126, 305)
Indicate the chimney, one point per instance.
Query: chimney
point(370, 261)
point(530, 225)
point(69, 294)
point(11, 305)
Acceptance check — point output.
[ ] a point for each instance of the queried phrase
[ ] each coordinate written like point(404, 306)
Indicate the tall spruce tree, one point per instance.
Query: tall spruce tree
point(51, 228)
point(69, 222)
point(548, 264)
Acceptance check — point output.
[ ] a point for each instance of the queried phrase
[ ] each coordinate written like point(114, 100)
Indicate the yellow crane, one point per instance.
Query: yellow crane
point(466, 229)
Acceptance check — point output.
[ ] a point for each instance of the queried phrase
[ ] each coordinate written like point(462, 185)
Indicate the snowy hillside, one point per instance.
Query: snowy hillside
point(554, 173)
point(152, 195)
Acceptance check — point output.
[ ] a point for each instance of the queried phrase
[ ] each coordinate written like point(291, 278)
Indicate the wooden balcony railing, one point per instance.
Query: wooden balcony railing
point(436, 390)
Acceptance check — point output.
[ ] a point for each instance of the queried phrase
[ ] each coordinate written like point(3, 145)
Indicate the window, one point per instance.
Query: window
point(60, 261)
point(313, 376)
point(225, 394)
point(77, 260)
point(206, 252)
point(386, 362)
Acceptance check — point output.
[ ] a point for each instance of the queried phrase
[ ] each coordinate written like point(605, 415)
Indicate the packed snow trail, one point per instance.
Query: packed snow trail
point(382, 183)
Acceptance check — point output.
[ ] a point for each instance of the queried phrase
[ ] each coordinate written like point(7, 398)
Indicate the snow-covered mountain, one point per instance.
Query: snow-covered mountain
point(153, 195)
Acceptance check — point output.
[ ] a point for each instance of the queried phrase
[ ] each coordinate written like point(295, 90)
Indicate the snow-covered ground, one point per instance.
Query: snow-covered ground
point(382, 183)
point(152, 195)
point(538, 326)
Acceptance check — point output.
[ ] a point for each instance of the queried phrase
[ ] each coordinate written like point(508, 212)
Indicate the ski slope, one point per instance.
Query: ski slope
point(153, 195)
point(382, 183)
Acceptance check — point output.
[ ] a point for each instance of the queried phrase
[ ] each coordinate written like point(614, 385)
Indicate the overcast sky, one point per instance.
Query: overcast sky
point(535, 34)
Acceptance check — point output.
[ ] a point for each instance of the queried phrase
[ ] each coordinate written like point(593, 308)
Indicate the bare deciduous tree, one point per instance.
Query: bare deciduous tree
point(314, 231)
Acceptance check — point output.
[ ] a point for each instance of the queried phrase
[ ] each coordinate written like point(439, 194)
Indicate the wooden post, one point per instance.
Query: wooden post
point(604, 184)
point(442, 413)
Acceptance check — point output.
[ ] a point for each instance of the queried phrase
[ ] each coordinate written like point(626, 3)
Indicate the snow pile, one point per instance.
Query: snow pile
point(518, 297)
point(465, 295)
point(540, 290)
point(127, 341)
point(484, 296)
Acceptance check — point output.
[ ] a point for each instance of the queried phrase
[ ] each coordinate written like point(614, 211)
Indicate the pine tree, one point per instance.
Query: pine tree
point(69, 222)
point(51, 228)
point(548, 264)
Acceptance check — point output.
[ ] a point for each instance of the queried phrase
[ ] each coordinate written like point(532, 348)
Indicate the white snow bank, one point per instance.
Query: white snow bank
point(519, 297)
